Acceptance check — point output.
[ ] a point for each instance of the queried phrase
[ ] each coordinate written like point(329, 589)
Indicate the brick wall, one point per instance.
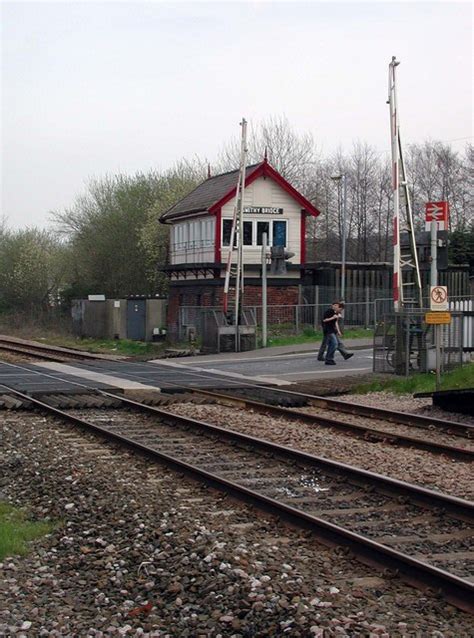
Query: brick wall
point(206, 296)
point(276, 295)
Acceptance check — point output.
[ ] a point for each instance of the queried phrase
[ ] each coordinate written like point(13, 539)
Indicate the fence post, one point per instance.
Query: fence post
point(367, 307)
point(297, 319)
point(180, 323)
point(316, 308)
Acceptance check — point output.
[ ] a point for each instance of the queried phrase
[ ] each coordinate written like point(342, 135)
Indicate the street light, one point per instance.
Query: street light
point(341, 205)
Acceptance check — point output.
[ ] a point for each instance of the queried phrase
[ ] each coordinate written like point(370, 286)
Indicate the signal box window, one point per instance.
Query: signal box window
point(262, 227)
point(279, 233)
point(226, 232)
point(248, 233)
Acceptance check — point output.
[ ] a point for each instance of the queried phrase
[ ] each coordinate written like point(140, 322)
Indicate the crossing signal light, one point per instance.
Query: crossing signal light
point(279, 256)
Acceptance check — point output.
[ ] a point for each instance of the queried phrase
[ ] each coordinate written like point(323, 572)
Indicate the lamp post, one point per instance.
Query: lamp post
point(341, 208)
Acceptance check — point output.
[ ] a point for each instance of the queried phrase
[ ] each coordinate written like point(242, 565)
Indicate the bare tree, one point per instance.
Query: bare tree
point(438, 173)
point(292, 154)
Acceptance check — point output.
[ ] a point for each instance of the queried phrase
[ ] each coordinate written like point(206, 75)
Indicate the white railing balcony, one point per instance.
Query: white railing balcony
point(197, 251)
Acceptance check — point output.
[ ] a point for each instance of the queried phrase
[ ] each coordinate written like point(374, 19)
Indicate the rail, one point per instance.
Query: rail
point(293, 467)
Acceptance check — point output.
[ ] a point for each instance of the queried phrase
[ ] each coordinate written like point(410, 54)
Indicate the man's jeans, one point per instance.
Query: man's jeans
point(324, 344)
point(332, 345)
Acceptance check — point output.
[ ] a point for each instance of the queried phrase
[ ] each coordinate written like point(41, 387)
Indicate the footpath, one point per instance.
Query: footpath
point(277, 351)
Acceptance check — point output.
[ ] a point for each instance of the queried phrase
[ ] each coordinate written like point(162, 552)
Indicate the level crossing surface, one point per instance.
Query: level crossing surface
point(281, 368)
point(59, 377)
point(212, 372)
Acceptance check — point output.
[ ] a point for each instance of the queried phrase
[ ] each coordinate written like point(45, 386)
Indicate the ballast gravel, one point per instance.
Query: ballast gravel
point(139, 550)
point(452, 476)
point(406, 403)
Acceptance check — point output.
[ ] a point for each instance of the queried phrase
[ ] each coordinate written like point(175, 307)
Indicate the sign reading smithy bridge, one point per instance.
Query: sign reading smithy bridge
point(263, 210)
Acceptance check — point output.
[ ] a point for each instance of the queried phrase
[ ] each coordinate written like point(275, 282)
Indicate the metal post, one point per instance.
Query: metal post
point(264, 290)
point(434, 254)
point(434, 282)
point(316, 307)
point(406, 323)
point(367, 307)
point(392, 100)
point(343, 225)
point(399, 182)
point(438, 355)
point(341, 210)
point(240, 204)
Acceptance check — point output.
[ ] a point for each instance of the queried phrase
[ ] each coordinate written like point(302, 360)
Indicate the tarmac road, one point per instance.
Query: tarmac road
point(285, 366)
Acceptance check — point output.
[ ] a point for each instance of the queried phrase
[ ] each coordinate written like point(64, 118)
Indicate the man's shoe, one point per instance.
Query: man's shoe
point(330, 362)
point(320, 358)
point(348, 356)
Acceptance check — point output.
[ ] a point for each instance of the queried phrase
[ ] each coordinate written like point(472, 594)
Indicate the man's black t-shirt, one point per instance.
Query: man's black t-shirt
point(329, 327)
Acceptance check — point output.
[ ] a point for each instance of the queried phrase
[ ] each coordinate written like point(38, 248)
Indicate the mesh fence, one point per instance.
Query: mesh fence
point(378, 313)
point(404, 343)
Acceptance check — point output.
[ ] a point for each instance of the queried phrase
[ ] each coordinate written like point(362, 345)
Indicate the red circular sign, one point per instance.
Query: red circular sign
point(439, 294)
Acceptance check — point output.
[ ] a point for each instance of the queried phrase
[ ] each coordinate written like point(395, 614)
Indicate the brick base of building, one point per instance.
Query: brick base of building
point(210, 295)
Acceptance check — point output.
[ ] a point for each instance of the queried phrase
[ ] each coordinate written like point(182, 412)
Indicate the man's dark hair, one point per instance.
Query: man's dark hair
point(340, 304)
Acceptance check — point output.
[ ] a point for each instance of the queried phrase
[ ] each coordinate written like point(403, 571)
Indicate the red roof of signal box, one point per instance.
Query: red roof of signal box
point(216, 191)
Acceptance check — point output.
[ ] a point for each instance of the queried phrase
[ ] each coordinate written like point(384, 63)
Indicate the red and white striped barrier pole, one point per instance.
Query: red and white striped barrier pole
point(392, 100)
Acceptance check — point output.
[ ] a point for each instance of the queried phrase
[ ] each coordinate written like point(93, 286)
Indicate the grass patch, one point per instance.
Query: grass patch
point(311, 336)
point(16, 530)
point(462, 377)
point(130, 348)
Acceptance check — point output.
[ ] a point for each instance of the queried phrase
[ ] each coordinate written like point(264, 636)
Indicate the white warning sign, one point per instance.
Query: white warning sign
point(439, 298)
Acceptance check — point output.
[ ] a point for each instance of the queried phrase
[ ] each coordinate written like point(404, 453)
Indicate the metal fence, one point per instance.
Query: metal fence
point(281, 319)
point(285, 319)
point(404, 343)
point(304, 318)
point(466, 307)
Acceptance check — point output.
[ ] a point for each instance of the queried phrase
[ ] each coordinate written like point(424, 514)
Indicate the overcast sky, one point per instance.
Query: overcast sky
point(90, 89)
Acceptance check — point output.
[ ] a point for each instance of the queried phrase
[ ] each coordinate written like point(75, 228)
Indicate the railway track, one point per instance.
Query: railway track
point(369, 423)
point(289, 398)
point(423, 535)
point(396, 428)
point(43, 351)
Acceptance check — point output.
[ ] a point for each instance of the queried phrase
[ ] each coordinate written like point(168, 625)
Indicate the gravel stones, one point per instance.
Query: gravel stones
point(145, 552)
point(452, 476)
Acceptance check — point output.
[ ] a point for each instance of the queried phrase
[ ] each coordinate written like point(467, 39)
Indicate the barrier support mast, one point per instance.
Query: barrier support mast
point(402, 263)
point(236, 236)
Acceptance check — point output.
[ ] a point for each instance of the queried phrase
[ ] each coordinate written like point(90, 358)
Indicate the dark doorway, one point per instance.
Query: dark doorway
point(136, 319)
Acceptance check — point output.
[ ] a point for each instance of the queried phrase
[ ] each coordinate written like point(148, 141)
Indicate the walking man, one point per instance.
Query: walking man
point(329, 325)
point(338, 307)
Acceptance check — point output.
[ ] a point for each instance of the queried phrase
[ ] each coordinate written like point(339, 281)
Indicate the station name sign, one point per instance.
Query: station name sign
point(263, 210)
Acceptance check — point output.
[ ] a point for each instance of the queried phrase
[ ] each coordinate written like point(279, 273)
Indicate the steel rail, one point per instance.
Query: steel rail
point(44, 351)
point(456, 590)
point(38, 355)
point(458, 506)
point(362, 431)
point(407, 418)
point(453, 504)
